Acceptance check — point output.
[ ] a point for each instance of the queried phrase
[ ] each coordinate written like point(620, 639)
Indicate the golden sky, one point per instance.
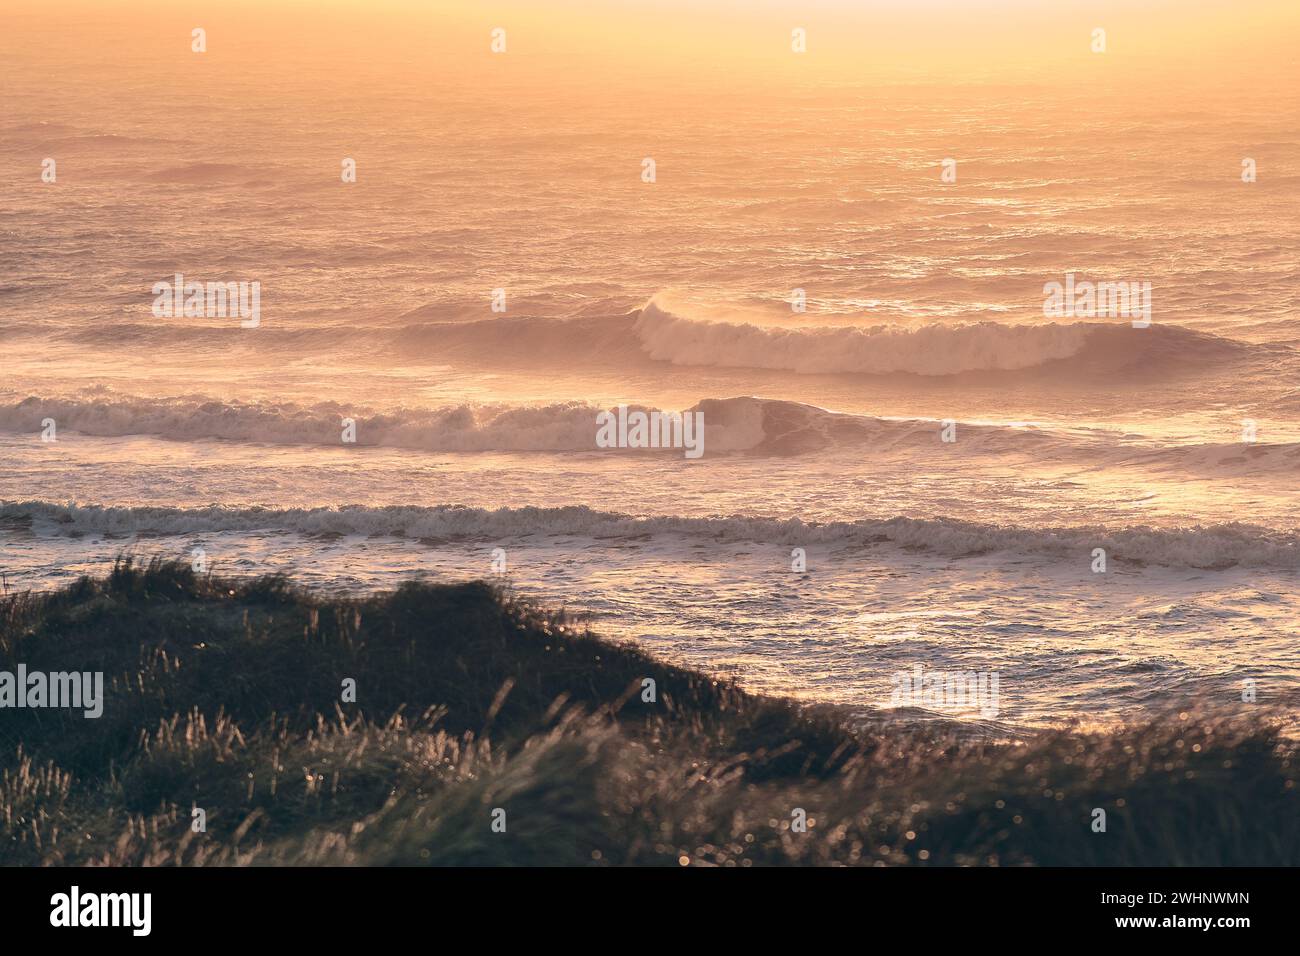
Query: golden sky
point(747, 41)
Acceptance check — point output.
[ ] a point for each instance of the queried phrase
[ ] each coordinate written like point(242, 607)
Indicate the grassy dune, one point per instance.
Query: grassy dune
point(226, 695)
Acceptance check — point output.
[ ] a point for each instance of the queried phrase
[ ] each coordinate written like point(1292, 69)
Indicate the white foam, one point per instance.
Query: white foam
point(932, 350)
point(927, 350)
point(1216, 546)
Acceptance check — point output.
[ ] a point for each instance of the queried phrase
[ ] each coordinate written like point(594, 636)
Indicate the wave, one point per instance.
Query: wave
point(557, 427)
point(660, 333)
point(731, 425)
point(1202, 547)
point(931, 350)
point(605, 340)
point(641, 338)
point(739, 425)
point(592, 340)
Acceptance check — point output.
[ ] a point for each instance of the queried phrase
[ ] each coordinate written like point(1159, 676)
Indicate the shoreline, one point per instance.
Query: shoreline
point(458, 725)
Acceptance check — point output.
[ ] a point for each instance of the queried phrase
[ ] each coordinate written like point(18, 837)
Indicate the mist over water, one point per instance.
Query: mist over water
point(475, 429)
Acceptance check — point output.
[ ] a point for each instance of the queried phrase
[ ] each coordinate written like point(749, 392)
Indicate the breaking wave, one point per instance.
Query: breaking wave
point(1204, 547)
point(740, 425)
point(556, 427)
point(720, 339)
point(931, 350)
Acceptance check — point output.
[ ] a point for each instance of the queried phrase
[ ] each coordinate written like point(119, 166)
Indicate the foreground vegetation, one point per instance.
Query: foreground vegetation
point(227, 696)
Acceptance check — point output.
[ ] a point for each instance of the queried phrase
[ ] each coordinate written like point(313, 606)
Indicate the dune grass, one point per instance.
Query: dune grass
point(227, 695)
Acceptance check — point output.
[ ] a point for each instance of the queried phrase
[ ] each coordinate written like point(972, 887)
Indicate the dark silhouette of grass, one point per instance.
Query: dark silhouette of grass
point(226, 696)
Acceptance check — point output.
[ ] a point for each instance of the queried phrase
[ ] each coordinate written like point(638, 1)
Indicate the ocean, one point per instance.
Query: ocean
point(905, 462)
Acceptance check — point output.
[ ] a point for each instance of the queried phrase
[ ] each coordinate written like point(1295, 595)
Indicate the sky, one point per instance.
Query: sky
point(726, 40)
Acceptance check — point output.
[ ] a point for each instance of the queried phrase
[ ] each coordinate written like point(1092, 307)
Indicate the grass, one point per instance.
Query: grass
point(226, 695)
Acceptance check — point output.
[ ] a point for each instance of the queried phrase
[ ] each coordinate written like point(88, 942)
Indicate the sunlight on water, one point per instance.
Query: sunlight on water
point(867, 339)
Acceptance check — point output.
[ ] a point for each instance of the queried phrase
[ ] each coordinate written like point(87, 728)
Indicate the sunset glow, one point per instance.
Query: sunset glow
point(934, 362)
